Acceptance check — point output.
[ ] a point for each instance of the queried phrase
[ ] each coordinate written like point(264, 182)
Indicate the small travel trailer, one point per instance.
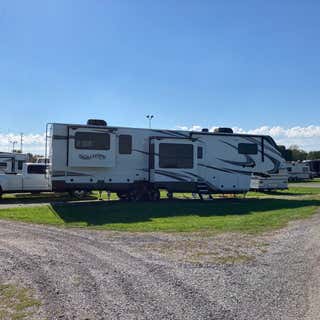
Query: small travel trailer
point(298, 171)
point(277, 181)
point(314, 166)
point(135, 163)
point(11, 162)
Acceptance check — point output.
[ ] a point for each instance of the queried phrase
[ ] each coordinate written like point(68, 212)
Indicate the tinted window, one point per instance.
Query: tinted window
point(200, 153)
point(247, 148)
point(92, 140)
point(36, 169)
point(125, 144)
point(175, 155)
point(289, 169)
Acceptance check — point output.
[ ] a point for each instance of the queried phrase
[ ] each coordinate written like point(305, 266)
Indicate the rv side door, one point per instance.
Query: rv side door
point(91, 147)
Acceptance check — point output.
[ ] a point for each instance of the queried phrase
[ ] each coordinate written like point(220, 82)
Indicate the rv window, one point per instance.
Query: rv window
point(125, 144)
point(92, 140)
point(289, 169)
point(3, 165)
point(247, 148)
point(20, 164)
point(36, 169)
point(200, 153)
point(175, 155)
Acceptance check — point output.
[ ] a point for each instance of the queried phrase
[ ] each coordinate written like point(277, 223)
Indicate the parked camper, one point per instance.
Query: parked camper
point(136, 162)
point(33, 178)
point(11, 162)
point(278, 181)
point(314, 167)
point(42, 160)
point(298, 171)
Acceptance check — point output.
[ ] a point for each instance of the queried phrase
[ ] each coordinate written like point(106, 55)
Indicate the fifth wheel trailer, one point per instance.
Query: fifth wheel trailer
point(298, 171)
point(314, 166)
point(276, 181)
point(12, 162)
point(137, 162)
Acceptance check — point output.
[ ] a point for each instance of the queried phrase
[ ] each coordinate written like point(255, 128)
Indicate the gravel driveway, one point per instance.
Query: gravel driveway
point(87, 274)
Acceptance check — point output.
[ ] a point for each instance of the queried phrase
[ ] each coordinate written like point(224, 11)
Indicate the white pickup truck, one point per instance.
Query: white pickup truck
point(32, 178)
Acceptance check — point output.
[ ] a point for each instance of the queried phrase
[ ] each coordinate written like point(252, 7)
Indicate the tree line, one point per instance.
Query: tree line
point(294, 153)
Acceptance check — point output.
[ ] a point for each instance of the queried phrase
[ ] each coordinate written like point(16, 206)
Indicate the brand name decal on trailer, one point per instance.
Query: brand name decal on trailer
point(98, 156)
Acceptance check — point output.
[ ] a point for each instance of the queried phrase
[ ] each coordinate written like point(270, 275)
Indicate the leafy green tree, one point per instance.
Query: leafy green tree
point(298, 153)
point(313, 155)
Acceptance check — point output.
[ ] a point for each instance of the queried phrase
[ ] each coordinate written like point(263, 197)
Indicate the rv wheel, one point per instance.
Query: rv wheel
point(154, 195)
point(123, 196)
point(79, 194)
point(170, 195)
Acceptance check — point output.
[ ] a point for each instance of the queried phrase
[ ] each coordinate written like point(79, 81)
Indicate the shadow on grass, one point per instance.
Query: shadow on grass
point(284, 193)
point(133, 212)
point(47, 197)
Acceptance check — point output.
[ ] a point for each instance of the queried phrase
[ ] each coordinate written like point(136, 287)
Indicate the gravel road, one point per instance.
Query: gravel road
point(88, 274)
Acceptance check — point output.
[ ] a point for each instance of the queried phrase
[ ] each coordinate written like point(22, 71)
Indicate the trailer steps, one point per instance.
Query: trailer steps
point(203, 189)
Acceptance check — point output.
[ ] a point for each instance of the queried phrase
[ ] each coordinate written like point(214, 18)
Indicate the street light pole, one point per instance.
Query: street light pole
point(21, 141)
point(149, 117)
point(13, 144)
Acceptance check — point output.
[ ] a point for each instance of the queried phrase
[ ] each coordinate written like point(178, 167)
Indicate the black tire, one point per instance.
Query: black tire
point(154, 195)
point(169, 195)
point(79, 194)
point(123, 196)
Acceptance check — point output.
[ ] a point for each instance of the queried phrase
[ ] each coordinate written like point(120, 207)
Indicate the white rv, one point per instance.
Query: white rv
point(276, 181)
point(11, 162)
point(298, 171)
point(136, 162)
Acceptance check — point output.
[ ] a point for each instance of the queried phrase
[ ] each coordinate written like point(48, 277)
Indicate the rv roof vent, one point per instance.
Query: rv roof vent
point(96, 122)
point(205, 130)
point(223, 130)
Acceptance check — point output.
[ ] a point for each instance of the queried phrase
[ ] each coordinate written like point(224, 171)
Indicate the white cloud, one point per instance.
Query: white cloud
point(307, 138)
point(34, 143)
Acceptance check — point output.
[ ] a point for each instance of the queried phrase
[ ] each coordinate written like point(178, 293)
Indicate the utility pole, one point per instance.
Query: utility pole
point(21, 141)
point(149, 117)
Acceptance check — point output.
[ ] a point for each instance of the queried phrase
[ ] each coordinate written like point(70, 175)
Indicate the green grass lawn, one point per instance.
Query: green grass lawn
point(257, 213)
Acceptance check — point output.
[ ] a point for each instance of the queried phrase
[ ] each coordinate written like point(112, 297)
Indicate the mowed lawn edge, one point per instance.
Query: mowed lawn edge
point(252, 215)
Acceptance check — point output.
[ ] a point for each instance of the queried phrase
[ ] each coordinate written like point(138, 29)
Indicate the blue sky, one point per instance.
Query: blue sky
point(244, 64)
